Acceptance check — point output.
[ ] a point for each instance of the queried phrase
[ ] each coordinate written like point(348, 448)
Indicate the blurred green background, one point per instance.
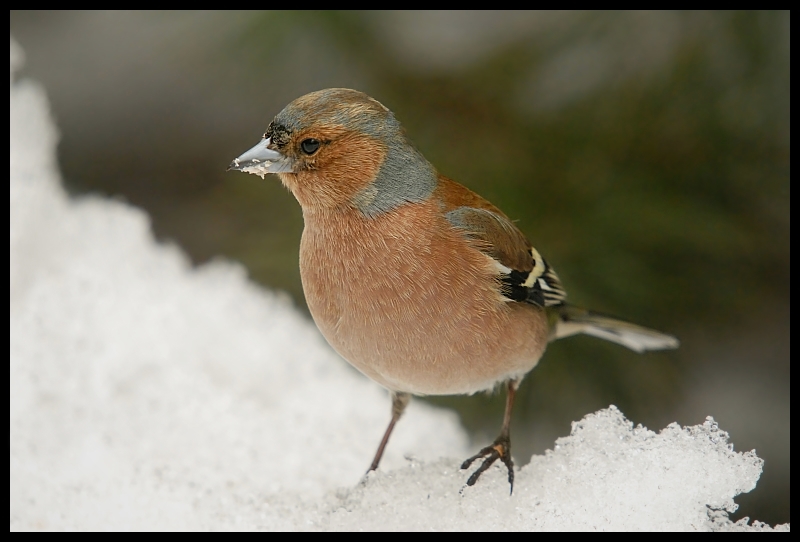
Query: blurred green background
point(645, 154)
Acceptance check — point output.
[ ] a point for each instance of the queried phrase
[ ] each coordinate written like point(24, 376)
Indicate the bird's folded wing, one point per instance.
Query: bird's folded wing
point(524, 275)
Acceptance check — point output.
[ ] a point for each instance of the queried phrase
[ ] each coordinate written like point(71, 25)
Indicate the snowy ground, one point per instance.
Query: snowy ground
point(149, 395)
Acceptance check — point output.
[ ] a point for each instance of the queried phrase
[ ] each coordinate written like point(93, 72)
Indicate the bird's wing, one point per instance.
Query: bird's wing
point(524, 275)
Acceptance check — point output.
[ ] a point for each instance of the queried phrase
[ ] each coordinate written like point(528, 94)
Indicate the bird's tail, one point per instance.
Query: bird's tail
point(569, 320)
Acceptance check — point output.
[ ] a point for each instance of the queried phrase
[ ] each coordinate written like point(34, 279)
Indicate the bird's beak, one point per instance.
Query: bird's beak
point(261, 160)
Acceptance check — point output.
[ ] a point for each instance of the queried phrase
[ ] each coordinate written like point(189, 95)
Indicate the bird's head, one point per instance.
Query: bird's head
point(339, 148)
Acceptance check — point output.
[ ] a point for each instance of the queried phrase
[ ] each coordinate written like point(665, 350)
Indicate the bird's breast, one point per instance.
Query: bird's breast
point(408, 302)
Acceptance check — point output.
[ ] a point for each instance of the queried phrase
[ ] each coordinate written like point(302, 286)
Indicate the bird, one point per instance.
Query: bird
point(421, 284)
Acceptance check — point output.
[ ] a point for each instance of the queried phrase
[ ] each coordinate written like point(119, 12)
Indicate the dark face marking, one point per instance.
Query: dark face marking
point(279, 134)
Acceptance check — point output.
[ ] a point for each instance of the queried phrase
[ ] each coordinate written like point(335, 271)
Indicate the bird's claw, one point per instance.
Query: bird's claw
point(499, 449)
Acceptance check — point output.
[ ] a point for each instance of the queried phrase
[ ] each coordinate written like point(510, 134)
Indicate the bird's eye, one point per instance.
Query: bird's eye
point(309, 146)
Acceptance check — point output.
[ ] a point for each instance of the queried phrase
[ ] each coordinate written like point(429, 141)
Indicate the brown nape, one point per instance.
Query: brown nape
point(345, 164)
point(454, 195)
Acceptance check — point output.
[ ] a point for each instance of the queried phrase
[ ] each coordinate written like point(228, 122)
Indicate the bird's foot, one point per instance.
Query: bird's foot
point(499, 449)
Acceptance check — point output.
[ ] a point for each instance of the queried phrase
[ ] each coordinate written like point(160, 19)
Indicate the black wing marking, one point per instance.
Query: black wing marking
point(541, 286)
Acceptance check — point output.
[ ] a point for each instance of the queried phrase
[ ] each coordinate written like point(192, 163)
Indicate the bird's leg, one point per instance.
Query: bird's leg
point(500, 448)
point(399, 403)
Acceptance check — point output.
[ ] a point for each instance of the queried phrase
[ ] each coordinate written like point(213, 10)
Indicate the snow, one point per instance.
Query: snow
point(149, 395)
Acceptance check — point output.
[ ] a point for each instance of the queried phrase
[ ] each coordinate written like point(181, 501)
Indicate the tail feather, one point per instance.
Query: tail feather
point(573, 320)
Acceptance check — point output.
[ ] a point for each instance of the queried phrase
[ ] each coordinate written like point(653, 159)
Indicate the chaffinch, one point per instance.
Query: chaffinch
point(420, 283)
